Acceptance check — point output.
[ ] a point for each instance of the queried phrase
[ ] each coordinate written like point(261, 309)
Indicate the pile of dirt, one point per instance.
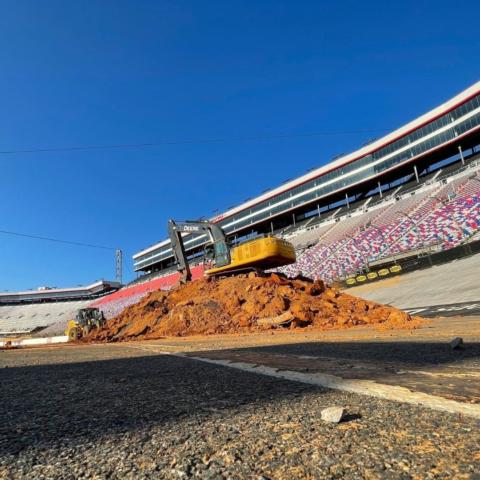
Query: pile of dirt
point(246, 303)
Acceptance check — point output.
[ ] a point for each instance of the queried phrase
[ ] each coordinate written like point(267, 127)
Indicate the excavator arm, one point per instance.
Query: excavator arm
point(216, 236)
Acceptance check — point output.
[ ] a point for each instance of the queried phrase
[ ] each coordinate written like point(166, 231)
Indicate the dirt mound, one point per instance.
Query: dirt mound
point(246, 303)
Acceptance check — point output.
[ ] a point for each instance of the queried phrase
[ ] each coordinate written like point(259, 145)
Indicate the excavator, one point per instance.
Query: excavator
point(257, 254)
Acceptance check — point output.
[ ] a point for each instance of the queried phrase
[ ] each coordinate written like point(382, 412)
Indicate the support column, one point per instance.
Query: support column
point(348, 203)
point(461, 154)
point(318, 210)
point(416, 173)
point(293, 216)
point(380, 189)
point(271, 226)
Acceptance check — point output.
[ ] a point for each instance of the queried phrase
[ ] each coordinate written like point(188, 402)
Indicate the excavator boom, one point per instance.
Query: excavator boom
point(215, 235)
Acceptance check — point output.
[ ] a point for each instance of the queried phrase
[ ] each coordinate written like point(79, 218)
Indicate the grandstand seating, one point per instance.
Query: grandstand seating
point(440, 215)
point(447, 225)
point(15, 319)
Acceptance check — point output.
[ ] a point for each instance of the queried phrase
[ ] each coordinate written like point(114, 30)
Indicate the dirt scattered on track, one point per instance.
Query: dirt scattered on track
point(246, 303)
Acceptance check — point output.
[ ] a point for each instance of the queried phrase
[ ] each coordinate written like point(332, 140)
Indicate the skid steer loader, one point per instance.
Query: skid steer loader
point(85, 321)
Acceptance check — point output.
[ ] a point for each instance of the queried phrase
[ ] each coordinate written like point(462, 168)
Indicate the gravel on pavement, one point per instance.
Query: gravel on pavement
point(116, 412)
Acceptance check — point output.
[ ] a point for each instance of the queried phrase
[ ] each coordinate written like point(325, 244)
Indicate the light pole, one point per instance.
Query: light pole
point(118, 265)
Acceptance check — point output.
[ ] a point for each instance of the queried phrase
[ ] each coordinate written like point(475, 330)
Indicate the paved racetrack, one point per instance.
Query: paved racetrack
point(453, 282)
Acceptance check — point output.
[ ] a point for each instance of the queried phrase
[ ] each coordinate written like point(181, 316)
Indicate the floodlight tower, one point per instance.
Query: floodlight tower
point(118, 265)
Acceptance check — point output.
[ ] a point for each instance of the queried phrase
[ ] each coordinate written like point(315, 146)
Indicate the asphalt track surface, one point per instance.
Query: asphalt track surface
point(139, 411)
point(449, 283)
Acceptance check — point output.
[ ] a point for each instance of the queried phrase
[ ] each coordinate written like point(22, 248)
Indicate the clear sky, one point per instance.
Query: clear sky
point(183, 72)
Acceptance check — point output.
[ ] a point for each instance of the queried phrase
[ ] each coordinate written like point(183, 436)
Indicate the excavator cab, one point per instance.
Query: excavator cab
point(221, 253)
point(217, 253)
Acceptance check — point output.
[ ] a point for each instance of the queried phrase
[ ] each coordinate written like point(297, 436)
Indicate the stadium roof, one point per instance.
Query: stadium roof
point(59, 293)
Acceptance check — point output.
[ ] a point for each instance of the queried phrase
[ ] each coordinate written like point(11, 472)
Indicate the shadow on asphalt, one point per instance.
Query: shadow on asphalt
point(49, 405)
point(414, 353)
point(46, 406)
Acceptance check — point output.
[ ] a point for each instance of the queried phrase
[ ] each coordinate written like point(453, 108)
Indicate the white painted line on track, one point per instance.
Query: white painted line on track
point(361, 387)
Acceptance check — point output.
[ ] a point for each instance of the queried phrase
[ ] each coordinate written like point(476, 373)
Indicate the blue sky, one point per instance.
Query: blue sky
point(129, 72)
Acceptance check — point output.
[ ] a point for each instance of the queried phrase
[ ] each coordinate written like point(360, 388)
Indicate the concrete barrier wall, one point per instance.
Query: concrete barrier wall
point(25, 342)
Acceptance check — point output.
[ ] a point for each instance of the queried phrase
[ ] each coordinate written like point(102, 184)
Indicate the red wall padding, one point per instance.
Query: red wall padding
point(156, 284)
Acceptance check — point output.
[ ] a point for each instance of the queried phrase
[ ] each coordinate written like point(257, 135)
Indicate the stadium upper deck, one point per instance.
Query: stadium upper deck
point(99, 288)
point(410, 150)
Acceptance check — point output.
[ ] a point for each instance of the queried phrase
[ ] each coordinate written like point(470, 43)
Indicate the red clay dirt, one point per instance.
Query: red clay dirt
point(246, 303)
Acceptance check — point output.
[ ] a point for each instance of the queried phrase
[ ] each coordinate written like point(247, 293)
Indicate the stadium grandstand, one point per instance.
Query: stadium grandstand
point(47, 309)
point(415, 188)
